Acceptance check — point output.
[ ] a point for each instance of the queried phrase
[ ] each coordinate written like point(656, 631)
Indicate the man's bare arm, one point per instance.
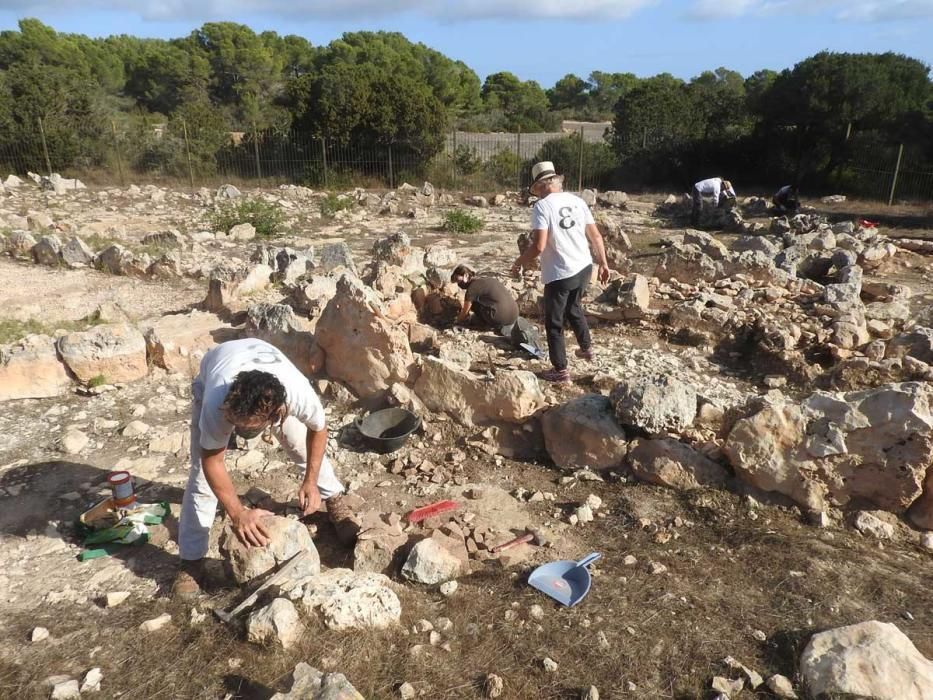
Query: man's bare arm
point(533, 251)
point(245, 521)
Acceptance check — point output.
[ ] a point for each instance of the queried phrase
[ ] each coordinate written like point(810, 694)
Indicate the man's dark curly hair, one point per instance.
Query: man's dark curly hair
point(254, 393)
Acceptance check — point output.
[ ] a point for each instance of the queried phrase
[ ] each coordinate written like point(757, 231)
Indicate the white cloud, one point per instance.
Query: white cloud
point(312, 9)
point(853, 10)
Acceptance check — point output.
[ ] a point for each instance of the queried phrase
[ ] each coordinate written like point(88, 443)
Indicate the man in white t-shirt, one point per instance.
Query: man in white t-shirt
point(247, 387)
point(714, 188)
point(563, 232)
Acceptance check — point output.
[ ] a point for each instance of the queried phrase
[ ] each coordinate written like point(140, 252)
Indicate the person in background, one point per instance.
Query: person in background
point(487, 299)
point(714, 188)
point(563, 234)
point(786, 200)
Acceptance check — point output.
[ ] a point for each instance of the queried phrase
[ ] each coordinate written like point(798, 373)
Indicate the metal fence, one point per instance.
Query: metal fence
point(173, 154)
point(186, 157)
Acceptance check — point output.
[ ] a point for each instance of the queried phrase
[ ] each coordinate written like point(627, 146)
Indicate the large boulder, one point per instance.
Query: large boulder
point(362, 348)
point(178, 342)
point(311, 294)
point(116, 352)
point(583, 434)
point(512, 396)
point(347, 599)
point(655, 404)
point(117, 260)
point(871, 660)
point(336, 257)
point(286, 539)
point(30, 369)
point(687, 263)
point(671, 463)
point(278, 325)
point(19, 244)
point(870, 446)
point(276, 623)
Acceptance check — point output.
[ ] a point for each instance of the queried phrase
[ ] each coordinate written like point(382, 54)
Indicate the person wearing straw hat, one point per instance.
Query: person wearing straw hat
point(565, 237)
point(715, 188)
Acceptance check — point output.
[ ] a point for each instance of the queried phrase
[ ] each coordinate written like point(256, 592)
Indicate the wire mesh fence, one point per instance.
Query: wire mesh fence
point(178, 155)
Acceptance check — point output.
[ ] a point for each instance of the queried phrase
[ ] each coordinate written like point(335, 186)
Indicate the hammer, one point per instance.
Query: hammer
point(283, 575)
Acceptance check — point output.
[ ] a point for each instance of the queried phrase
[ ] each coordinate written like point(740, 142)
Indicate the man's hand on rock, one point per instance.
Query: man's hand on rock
point(248, 527)
point(604, 273)
point(309, 497)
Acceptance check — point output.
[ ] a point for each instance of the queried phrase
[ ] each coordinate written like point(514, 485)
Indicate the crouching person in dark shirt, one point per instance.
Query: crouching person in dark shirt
point(491, 304)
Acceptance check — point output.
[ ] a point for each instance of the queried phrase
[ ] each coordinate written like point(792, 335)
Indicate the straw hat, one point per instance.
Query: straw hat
point(542, 170)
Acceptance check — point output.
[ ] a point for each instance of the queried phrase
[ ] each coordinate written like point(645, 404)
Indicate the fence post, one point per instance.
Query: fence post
point(391, 173)
point(256, 153)
point(45, 148)
point(580, 173)
point(644, 137)
point(453, 157)
point(518, 152)
point(848, 131)
point(897, 167)
point(324, 157)
point(116, 148)
point(184, 130)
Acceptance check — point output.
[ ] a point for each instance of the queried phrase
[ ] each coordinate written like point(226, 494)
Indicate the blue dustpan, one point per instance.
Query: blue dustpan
point(565, 581)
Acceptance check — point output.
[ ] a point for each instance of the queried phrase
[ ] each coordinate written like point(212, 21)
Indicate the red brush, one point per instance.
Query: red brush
point(424, 512)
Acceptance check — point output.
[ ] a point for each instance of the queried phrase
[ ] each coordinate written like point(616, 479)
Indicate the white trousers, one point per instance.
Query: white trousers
point(199, 505)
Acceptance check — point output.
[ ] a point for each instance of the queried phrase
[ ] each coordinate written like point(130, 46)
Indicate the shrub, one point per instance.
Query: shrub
point(266, 218)
point(333, 203)
point(458, 221)
point(98, 380)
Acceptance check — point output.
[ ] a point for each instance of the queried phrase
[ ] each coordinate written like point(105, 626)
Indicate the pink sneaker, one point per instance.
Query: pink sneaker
point(561, 376)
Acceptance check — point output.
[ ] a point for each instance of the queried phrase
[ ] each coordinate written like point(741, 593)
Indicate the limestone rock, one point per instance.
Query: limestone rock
point(116, 352)
point(19, 244)
point(156, 623)
point(513, 396)
point(177, 342)
point(875, 525)
point(242, 232)
point(872, 660)
point(75, 253)
point(278, 325)
point(48, 251)
point(351, 600)
point(30, 369)
point(361, 347)
point(335, 257)
point(227, 192)
point(73, 441)
point(782, 687)
point(91, 681)
point(307, 683)
point(873, 446)
point(275, 623)
point(917, 343)
point(117, 260)
point(287, 538)
point(612, 198)
point(67, 690)
point(429, 562)
point(583, 434)
point(378, 544)
point(670, 463)
point(228, 284)
point(655, 404)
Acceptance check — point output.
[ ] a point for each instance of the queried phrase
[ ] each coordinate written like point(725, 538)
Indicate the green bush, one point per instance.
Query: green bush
point(96, 381)
point(504, 167)
point(333, 203)
point(266, 218)
point(458, 221)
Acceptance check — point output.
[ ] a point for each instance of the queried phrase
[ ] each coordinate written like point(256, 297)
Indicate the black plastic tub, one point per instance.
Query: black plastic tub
point(387, 430)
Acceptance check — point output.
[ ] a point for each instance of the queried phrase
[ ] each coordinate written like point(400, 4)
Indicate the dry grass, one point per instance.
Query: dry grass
point(728, 575)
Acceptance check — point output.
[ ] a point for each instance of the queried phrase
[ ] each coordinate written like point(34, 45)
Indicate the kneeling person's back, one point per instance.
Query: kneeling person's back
point(497, 302)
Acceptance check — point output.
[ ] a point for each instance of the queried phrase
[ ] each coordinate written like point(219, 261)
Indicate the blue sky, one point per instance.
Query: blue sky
point(541, 39)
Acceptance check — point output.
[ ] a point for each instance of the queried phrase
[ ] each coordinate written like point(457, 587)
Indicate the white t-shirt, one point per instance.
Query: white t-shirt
point(220, 367)
point(711, 187)
point(565, 217)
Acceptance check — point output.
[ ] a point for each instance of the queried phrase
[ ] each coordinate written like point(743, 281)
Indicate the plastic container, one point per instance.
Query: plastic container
point(121, 483)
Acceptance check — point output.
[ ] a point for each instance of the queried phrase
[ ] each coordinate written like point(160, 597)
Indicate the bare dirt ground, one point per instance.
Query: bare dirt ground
point(686, 579)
